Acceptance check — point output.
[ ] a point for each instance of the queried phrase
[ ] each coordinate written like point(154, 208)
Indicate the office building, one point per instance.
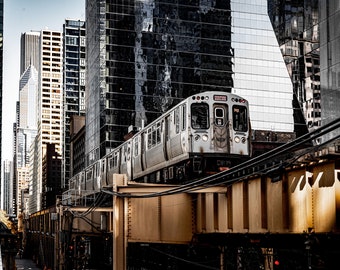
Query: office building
point(74, 54)
point(1, 74)
point(77, 143)
point(330, 63)
point(49, 111)
point(296, 24)
point(144, 57)
point(26, 131)
point(7, 187)
point(29, 50)
point(25, 128)
point(51, 176)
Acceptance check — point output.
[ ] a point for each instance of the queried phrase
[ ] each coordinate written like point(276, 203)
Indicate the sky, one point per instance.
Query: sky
point(23, 16)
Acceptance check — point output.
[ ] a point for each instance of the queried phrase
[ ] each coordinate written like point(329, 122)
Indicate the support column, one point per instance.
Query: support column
point(119, 237)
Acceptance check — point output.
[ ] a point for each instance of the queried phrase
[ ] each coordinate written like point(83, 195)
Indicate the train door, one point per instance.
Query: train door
point(126, 160)
point(167, 137)
point(221, 132)
point(240, 124)
point(137, 165)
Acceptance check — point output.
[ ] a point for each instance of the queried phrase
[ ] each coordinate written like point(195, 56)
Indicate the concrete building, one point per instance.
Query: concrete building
point(49, 111)
point(77, 143)
point(51, 175)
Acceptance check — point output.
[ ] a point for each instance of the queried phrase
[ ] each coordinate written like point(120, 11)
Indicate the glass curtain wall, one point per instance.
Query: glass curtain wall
point(260, 74)
point(146, 56)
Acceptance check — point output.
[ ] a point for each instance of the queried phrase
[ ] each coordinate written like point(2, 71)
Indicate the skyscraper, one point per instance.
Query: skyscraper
point(296, 24)
point(26, 121)
point(26, 128)
point(330, 62)
point(74, 54)
point(49, 112)
point(144, 57)
point(260, 74)
point(8, 187)
point(29, 50)
point(1, 71)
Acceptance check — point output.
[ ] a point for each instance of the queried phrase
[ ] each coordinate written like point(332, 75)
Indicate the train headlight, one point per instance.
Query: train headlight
point(237, 139)
point(205, 137)
point(244, 140)
point(197, 137)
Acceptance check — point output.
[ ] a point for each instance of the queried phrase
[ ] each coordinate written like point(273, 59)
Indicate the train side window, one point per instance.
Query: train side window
point(126, 151)
point(110, 162)
point(136, 146)
point(240, 121)
point(184, 117)
point(199, 116)
point(158, 133)
point(103, 166)
point(149, 138)
point(115, 160)
point(177, 120)
point(89, 174)
point(219, 116)
point(154, 137)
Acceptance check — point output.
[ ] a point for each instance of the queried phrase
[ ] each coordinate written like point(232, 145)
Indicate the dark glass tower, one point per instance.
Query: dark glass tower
point(1, 71)
point(330, 62)
point(146, 56)
point(296, 25)
point(74, 35)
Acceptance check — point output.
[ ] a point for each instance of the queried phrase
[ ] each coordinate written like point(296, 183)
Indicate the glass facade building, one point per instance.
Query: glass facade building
point(260, 74)
point(330, 62)
point(29, 50)
point(296, 24)
point(146, 56)
point(25, 132)
point(1, 73)
point(25, 128)
point(8, 187)
point(74, 55)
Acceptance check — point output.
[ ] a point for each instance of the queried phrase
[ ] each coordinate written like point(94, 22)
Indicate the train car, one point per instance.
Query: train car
point(202, 135)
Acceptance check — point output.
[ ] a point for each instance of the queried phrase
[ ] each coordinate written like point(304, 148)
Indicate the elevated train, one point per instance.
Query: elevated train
point(204, 134)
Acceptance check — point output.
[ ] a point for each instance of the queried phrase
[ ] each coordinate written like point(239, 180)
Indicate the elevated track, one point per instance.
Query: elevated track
point(286, 199)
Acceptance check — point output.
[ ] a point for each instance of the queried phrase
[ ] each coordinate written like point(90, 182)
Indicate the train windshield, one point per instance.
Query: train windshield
point(200, 116)
point(240, 121)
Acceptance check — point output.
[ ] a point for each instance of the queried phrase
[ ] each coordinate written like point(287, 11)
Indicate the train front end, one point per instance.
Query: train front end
point(219, 130)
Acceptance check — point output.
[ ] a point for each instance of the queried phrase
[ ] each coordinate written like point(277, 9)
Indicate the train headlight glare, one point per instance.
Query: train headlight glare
point(197, 137)
point(205, 137)
point(237, 139)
